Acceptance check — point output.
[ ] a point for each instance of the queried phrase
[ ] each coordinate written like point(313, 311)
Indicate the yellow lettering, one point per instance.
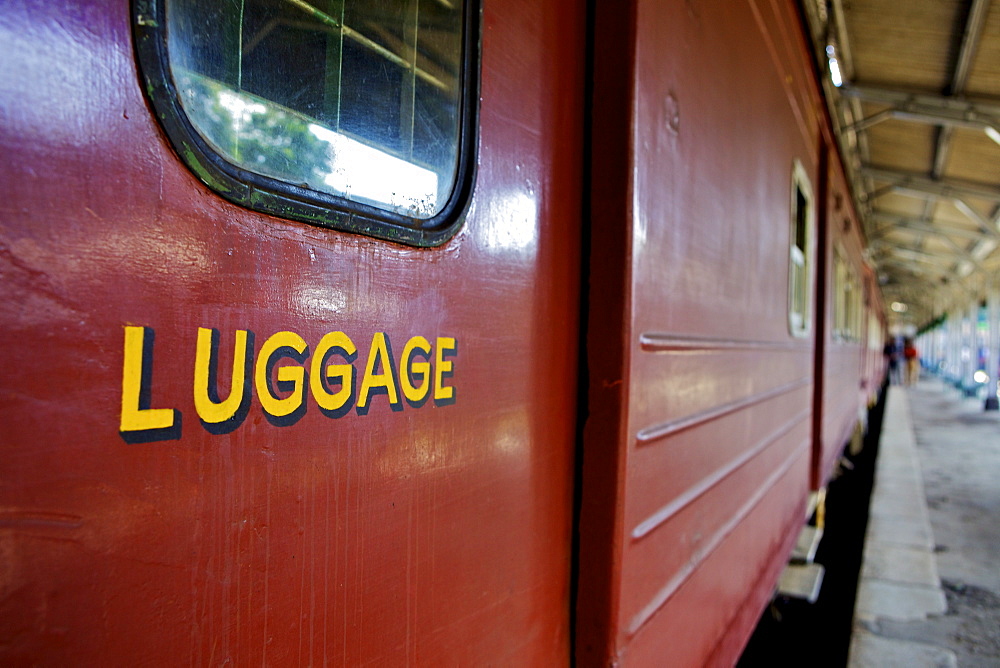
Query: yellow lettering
point(137, 378)
point(444, 394)
point(372, 381)
point(415, 347)
point(276, 347)
point(333, 343)
point(210, 409)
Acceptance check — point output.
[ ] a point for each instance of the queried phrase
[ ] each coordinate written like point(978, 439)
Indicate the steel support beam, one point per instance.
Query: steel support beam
point(887, 223)
point(937, 105)
point(911, 112)
point(947, 188)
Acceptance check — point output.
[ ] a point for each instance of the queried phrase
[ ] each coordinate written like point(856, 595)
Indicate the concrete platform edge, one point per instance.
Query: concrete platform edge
point(899, 580)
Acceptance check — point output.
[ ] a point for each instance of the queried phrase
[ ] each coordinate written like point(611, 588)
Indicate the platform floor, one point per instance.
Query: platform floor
point(929, 591)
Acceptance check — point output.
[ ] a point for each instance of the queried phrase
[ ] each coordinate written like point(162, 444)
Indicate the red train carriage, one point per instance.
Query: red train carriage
point(697, 468)
point(326, 325)
point(844, 381)
point(302, 528)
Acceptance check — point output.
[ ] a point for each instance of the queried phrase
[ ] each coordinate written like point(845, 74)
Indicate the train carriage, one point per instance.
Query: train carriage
point(709, 440)
point(140, 525)
point(415, 331)
point(844, 381)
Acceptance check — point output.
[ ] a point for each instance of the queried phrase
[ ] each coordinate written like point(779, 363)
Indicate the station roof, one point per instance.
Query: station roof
point(917, 112)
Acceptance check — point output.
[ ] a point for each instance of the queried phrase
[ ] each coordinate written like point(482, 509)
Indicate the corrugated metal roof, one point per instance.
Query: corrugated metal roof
point(921, 90)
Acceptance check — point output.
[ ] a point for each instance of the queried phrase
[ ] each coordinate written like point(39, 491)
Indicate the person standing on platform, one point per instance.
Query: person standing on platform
point(912, 362)
point(891, 354)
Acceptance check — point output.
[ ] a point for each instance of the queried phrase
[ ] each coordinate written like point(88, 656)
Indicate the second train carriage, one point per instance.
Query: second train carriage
point(293, 294)
point(728, 394)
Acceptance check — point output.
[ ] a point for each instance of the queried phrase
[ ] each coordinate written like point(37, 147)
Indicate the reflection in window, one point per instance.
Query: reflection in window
point(355, 98)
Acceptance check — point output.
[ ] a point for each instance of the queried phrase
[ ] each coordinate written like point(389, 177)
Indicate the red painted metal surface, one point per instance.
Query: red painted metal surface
point(437, 531)
point(433, 535)
point(841, 397)
point(699, 438)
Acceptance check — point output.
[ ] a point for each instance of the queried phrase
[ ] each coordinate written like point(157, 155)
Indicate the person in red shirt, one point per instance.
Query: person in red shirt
point(912, 362)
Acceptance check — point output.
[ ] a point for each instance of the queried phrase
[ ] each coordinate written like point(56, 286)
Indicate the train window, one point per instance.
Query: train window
point(847, 300)
point(803, 224)
point(841, 296)
point(852, 302)
point(855, 307)
point(353, 114)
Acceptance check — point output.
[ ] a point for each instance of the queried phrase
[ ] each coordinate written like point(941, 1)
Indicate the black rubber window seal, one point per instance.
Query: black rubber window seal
point(286, 200)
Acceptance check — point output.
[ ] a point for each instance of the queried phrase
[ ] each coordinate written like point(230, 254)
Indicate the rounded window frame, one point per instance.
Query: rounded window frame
point(279, 198)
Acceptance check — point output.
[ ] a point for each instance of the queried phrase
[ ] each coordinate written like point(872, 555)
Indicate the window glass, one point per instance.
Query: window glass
point(800, 253)
point(847, 305)
point(854, 307)
point(359, 99)
point(841, 296)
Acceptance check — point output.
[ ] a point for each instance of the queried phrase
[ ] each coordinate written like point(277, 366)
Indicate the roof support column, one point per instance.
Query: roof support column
point(955, 347)
point(970, 349)
point(993, 345)
point(947, 348)
point(927, 345)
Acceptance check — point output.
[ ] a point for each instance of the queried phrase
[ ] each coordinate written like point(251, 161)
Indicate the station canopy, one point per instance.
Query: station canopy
point(914, 91)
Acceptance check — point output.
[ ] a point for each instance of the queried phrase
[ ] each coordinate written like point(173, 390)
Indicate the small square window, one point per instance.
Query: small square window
point(353, 114)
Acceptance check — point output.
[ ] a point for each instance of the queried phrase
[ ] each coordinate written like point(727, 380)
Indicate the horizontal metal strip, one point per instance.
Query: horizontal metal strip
point(668, 590)
point(655, 520)
point(666, 343)
point(656, 432)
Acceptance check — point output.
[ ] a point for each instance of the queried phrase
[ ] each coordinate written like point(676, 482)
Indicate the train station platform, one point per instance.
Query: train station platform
point(905, 607)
